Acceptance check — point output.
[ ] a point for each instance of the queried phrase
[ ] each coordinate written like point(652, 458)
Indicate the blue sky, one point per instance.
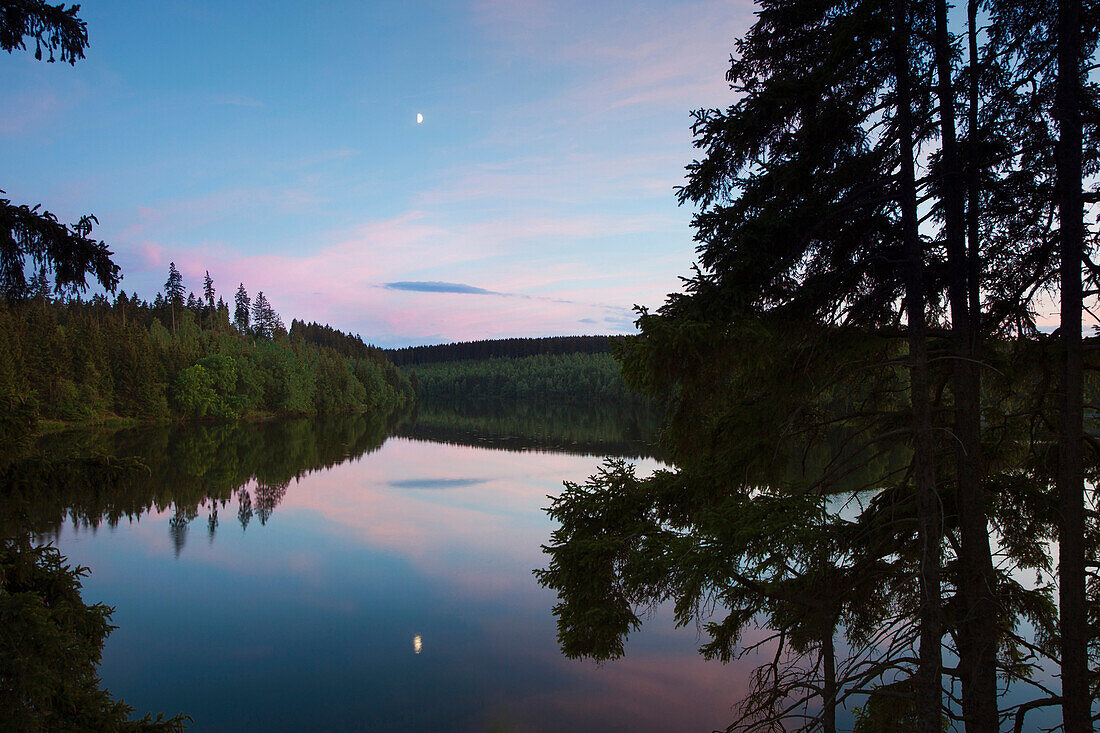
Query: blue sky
point(277, 144)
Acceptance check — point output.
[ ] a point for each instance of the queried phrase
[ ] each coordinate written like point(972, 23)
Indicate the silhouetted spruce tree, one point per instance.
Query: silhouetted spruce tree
point(242, 310)
point(208, 289)
point(173, 291)
point(208, 299)
point(808, 203)
point(978, 638)
point(265, 321)
point(808, 213)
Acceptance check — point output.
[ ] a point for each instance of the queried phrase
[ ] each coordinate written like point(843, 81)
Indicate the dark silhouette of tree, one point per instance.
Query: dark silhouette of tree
point(928, 678)
point(841, 191)
point(1073, 622)
point(242, 310)
point(67, 251)
point(265, 321)
point(40, 286)
point(53, 27)
point(173, 291)
point(244, 508)
point(51, 647)
point(208, 289)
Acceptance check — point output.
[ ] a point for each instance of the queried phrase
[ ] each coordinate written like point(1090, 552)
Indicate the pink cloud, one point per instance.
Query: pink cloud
point(338, 281)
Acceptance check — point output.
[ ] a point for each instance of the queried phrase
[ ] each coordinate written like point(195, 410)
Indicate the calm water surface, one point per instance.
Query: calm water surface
point(320, 578)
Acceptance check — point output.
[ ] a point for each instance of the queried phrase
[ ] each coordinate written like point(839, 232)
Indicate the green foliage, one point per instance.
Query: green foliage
point(78, 360)
point(50, 648)
point(576, 378)
point(193, 392)
point(494, 348)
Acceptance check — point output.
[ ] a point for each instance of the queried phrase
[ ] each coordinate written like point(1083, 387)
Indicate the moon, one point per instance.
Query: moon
point(419, 118)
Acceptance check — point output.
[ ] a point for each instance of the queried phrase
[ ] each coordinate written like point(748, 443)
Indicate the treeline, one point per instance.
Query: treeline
point(179, 358)
point(571, 379)
point(495, 348)
point(330, 338)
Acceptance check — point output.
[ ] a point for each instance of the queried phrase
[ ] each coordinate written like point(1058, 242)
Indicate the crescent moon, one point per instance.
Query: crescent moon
point(419, 118)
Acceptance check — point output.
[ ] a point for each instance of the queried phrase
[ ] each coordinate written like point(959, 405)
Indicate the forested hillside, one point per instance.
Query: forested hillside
point(573, 379)
point(77, 360)
point(493, 348)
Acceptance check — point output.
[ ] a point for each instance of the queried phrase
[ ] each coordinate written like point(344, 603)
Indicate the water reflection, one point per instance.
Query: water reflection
point(302, 619)
point(627, 431)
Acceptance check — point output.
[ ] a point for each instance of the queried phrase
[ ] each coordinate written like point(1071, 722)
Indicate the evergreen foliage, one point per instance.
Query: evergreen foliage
point(492, 348)
point(242, 310)
point(858, 397)
point(569, 379)
point(51, 646)
point(81, 360)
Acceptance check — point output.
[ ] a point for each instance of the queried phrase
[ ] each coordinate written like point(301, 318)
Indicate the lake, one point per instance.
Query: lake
point(339, 574)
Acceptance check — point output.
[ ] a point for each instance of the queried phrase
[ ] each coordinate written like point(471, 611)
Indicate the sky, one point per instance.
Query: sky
point(276, 144)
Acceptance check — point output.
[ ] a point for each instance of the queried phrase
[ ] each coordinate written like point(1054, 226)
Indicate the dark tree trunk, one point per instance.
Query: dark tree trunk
point(977, 633)
point(1073, 619)
point(828, 688)
point(928, 506)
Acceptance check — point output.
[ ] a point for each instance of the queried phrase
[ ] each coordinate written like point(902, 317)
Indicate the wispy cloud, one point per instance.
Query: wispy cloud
point(435, 286)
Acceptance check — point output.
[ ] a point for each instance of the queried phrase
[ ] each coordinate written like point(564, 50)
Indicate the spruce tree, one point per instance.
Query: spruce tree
point(208, 289)
point(173, 291)
point(242, 310)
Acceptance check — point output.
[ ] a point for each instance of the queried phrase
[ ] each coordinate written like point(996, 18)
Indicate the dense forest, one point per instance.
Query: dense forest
point(567, 379)
point(494, 348)
point(71, 359)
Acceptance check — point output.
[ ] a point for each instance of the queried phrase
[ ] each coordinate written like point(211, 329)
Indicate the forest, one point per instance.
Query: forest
point(565, 378)
point(69, 359)
point(493, 348)
point(882, 480)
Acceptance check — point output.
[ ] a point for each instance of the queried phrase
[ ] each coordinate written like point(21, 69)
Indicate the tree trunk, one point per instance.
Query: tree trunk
point(928, 506)
point(1073, 619)
point(828, 689)
point(977, 633)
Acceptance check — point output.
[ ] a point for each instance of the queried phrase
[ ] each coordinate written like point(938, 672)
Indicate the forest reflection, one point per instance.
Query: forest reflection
point(93, 478)
point(209, 474)
point(626, 430)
